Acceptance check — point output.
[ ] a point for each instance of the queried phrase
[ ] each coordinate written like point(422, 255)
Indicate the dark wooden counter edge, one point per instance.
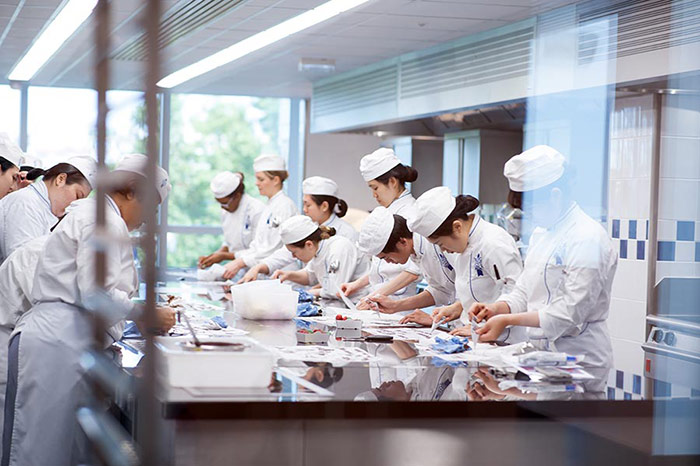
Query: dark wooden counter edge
point(336, 410)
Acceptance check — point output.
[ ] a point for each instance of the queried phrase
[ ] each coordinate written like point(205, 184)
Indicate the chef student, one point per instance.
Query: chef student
point(330, 260)
point(240, 214)
point(386, 177)
point(563, 294)
point(52, 336)
point(386, 236)
point(270, 173)
point(41, 204)
point(11, 159)
point(320, 203)
point(485, 257)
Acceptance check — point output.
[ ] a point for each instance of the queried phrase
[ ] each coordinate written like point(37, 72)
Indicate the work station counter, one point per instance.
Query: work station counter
point(352, 401)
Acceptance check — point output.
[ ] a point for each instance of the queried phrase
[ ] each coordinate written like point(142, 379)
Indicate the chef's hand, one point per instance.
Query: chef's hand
point(252, 274)
point(382, 304)
point(418, 317)
point(283, 275)
point(492, 328)
point(232, 268)
point(165, 318)
point(462, 332)
point(351, 288)
point(211, 259)
point(447, 313)
point(480, 311)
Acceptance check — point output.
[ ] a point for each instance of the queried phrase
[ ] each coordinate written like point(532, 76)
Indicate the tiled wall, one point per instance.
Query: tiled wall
point(678, 242)
point(679, 188)
point(631, 144)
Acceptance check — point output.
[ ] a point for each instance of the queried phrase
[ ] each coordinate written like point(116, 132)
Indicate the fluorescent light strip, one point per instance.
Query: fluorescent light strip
point(66, 22)
point(262, 39)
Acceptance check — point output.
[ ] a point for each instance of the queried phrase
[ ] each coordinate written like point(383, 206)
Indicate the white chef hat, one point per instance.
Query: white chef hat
point(375, 232)
point(379, 162)
point(87, 166)
point(11, 151)
point(224, 184)
point(297, 228)
point(533, 169)
point(136, 163)
point(430, 210)
point(320, 186)
point(266, 163)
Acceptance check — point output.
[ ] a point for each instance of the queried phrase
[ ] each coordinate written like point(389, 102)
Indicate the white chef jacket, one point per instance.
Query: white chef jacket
point(66, 270)
point(267, 236)
point(567, 279)
point(24, 215)
point(16, 280)
point(435, 268)
point(239, 226)
point(382, 271)
point(490, 248)
point(337, 261)
point(282, 257)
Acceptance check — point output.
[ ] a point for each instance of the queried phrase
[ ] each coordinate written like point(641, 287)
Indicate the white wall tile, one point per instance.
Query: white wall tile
point(678, 199)
point(641, 197)
point(624, 229)
point(642, 160)
point(680, 116)
point(666, 230)
point(630, 280)
point(680, 158)
point(627, 319)
point(676, 269)
point(628, 356)
point(685, 251)
point(616, 198)
point(642, 229)
point(697, 231)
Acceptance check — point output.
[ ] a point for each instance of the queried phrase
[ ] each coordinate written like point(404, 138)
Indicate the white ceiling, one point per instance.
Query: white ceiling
point(375, 31)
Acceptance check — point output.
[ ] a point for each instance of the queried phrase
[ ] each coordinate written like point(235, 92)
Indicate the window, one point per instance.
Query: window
point(9, 112)
point(61, 123)
point(209, 134)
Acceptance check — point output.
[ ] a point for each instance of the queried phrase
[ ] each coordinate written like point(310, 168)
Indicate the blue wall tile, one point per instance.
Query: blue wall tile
point(685, 231)
point(611, 393)
point(662, 388)
point(647, 229)
point(628, 396)
point(623, 249)
point(619, 379)
point(616, 229)
point(697, 251)
point(640, 250)
point(667, 251)
point(637, 384)
point(633, 229)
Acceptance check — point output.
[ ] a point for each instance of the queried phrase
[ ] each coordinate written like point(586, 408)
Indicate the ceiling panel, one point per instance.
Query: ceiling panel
point(375, 31)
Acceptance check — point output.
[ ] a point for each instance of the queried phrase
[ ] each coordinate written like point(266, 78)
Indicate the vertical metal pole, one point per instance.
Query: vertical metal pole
point(165, 98)
point(653, 219)
point(102, 81)
point(23, 114)
point(149, 440)
point(296, 160)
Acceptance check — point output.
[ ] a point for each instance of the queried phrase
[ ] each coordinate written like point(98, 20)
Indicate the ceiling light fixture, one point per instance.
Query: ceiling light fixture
point(258, 41)
point(64, 24)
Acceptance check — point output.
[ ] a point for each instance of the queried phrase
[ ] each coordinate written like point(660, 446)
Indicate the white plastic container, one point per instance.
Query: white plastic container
point(259, 302)
point(314, 337)
point(184, 368)
point(348, 324)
